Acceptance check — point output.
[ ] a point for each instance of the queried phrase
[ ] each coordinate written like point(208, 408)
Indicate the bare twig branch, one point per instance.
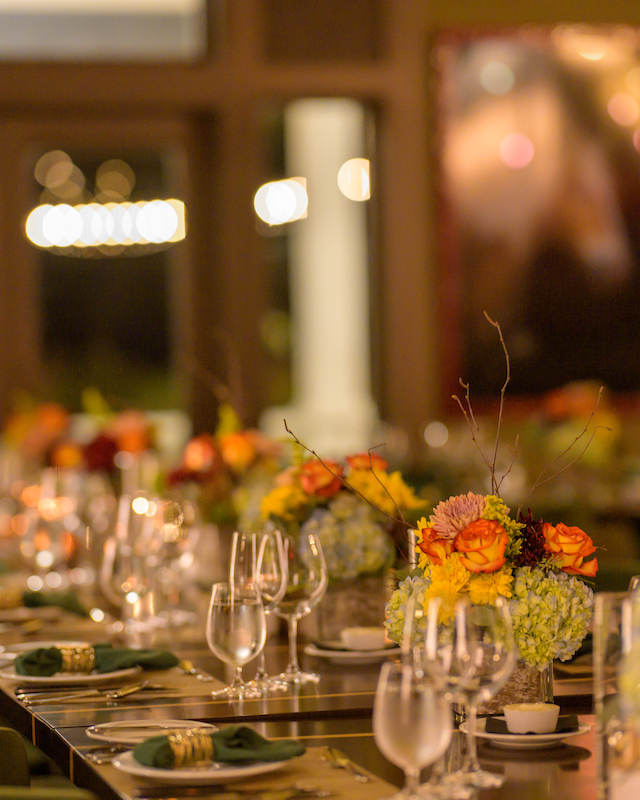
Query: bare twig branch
point(514, 454)
point(496, 325)
point(540, 480)
point(471, 423)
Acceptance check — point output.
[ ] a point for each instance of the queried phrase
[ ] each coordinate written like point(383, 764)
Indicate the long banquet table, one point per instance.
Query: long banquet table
point(336, 711)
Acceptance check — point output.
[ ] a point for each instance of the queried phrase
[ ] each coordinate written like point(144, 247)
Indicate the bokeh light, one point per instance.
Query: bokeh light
point(354, 179)
point(496, 77)
point(279, 202)
point(516, 150)
point(623, 108)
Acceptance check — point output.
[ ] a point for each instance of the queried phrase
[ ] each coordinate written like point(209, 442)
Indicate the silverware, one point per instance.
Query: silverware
point(338, 759)
point(106, 754)
point(295, 792)
point(117, 694)
point(187, 668)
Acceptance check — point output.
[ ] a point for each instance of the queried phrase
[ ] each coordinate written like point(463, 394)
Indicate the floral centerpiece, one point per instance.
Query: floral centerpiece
point(230, 470)
point(348, 504)
point(471, 545)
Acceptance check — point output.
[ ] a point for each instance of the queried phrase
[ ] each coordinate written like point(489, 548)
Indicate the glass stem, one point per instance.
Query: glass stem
point(471, 760)
point(261, 672)
point(411, 782)
point(293, 645)
point(237, 679)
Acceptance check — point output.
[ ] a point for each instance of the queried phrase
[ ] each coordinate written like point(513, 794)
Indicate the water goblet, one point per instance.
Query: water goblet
point(271, 578)
point(236, 631)
point(478, 656)
point(307, 580)
point(412, 723)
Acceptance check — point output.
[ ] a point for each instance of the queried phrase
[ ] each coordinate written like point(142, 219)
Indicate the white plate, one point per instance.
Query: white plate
point(70, 677)
point(525, 739)
point(350, 656)
point(24, 614)
point(137, 730)
point(210, 773)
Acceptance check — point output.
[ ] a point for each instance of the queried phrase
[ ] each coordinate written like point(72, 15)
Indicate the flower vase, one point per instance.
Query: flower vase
point(346, 604)
point(527, 684)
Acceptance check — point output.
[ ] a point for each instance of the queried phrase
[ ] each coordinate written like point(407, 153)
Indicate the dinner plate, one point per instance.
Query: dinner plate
point(349, 656)
point(24, 614)
point(69, 678)
point(209, 773)
point(137, 730)
point(525, 739)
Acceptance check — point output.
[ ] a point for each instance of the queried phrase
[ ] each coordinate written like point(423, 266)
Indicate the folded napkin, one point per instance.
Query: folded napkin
point(46, 661)
point(566, 724)
point(234, 743)
point(68, 601)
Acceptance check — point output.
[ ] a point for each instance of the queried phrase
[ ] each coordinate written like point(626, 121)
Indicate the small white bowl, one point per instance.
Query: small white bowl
point(364, 638)
point(531, 717)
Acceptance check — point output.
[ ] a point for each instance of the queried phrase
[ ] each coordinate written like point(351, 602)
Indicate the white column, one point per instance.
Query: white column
point(332, 410)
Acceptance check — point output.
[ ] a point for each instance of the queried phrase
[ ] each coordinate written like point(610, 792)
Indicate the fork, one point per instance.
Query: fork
point(341, 761)
point(116, 694)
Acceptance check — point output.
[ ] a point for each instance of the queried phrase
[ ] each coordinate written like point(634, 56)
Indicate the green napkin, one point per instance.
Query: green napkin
point(234, 743)
point(68, 601)
point(46, 661)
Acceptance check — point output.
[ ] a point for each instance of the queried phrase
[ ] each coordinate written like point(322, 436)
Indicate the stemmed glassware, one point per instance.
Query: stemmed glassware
point(236, 630)
point(470, 650)
point(271, 578)
point(412, 722)
point(307, 581)
point(129, 567)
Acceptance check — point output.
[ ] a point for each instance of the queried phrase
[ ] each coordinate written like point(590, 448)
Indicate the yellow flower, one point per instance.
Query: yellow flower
point(485, 587)
point(282, 502)
point(448, 581)
point(387, 492)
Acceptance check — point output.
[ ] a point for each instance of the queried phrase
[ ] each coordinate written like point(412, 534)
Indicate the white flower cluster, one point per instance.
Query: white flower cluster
point(551, 613)
point(353, 538)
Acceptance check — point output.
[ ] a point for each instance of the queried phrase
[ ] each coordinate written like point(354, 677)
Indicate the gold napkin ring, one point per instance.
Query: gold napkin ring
point(78, 659)
point(190, 747)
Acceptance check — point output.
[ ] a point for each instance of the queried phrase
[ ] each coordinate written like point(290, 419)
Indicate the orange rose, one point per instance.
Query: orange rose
point(201, 454)
point(321, 480)
point(482, 545)
point(434, 546)
point(367, 461)
point(238, 450)
point(570, 546)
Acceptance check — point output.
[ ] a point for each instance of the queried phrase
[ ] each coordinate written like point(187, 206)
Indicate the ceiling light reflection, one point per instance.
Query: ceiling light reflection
point(279, 202)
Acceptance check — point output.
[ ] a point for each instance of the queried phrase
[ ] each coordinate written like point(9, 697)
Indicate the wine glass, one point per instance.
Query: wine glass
point(128, 573)
point(472, 652)
point(412, 722)
point(271, 577)
point(307, 580)
point(243, 558)
point(236, 630)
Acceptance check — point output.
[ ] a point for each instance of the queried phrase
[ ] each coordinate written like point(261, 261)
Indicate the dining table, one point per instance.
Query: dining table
point(332, 714)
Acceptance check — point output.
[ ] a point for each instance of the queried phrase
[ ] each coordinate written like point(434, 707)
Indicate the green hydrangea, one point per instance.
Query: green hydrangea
point(496, 509)
point(354, 540)
point(396, 607)
point(551, 613)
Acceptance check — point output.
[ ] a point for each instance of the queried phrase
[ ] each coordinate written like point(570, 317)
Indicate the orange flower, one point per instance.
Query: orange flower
point(201, 454)
point(321, 480)
point(367, 461)
point(238, 450)
point(482, 545)
point(570, 546)
point(66, 454)
point(434, 546)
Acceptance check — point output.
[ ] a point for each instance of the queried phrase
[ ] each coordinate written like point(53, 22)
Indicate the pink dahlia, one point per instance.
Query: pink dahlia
point(453, 515)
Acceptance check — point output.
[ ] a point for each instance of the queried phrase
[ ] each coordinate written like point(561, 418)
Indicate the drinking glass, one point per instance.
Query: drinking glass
point(243, 558)
point(412, 723)
point(477, 655)
point(236, 630)
point(271, 577)
point(129, 568)
point(307, 580)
